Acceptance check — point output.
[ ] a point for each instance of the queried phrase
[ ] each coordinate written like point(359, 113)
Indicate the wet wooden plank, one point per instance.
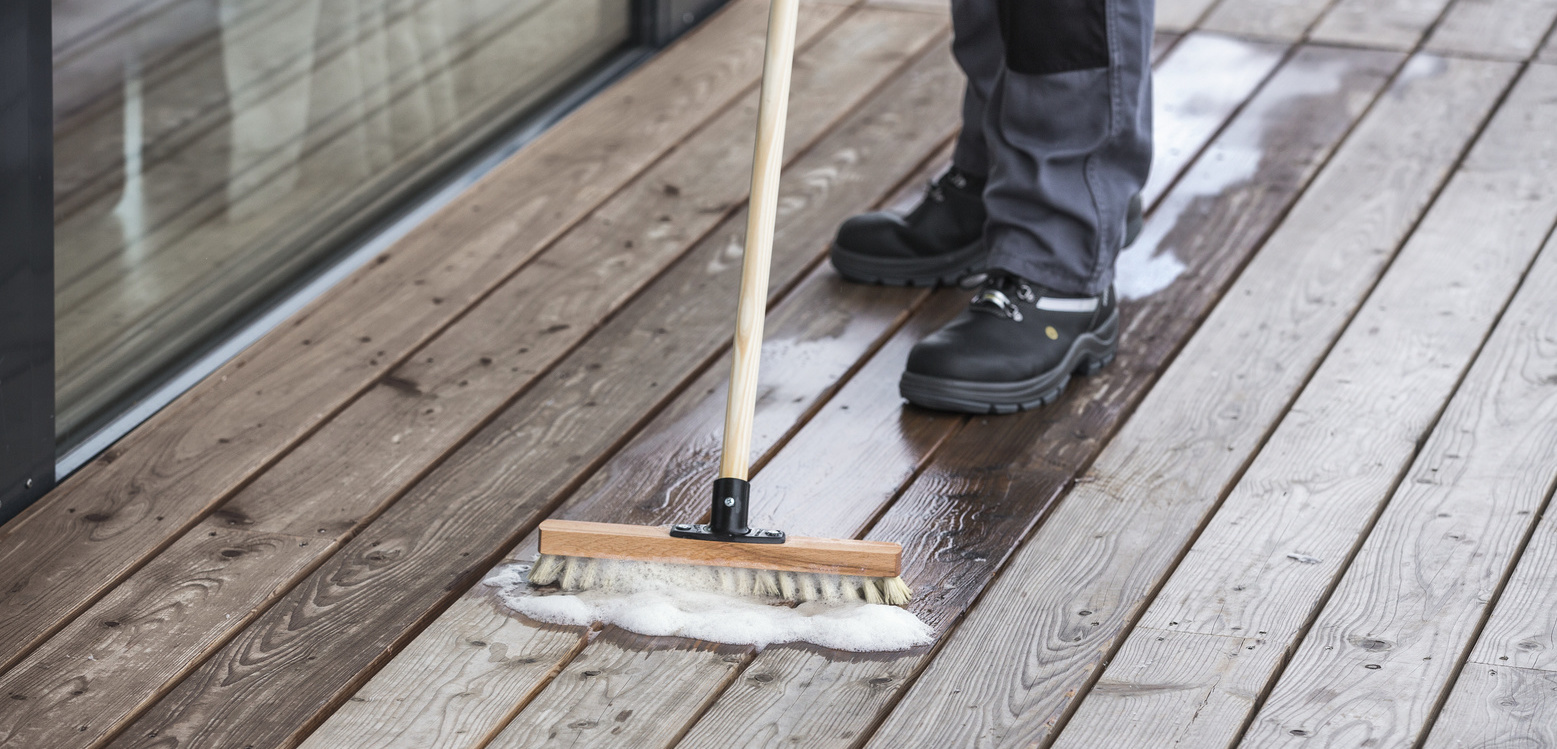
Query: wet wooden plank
point(84, 537)
point(1392, 635)
point(1282, 537)
point(886, 444)
point(1281, 20)
point(1498, 707)
point(1500, 29)
point(1015, 668)
point(1382, 24)
point(319, 643)
point(962, 517)
point(84, 683)
point(594, 701)
point(356, 465)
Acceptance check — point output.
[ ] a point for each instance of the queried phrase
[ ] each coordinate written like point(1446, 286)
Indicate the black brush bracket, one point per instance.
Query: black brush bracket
point(727, 520)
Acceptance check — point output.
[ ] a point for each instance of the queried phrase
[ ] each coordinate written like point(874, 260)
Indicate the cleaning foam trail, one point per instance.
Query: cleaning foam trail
point(658, 606)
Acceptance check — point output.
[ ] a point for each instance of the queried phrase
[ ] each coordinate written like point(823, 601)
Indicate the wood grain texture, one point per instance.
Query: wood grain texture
point(600, 698)
point(1281, 20)
point(1391, 636)
point(1017, 664)
point(1498, 707)
point(827, 556)
point(862, 445)
point(349, 471)
point(318, 644)
point(1382, 24)
point(1501, 29)
point(67, 549)
point(1273, 549)
point(85, 682)
point(993, 480)
point(814, 339)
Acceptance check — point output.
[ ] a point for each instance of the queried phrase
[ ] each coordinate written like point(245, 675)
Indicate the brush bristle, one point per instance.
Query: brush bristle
point(585, 573)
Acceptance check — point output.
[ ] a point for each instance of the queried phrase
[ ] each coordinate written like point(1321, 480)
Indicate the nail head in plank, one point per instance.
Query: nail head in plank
point(1277, 543)
point(1390, 637)
point(479, 498)
point(1105, 547)
point(961, 518)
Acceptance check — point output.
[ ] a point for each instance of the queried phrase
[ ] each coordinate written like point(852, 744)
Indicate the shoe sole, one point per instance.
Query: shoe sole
point(1089, 353)
point(941, 270)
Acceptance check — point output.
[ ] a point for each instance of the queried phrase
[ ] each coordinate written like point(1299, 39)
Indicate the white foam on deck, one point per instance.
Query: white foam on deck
point(659, 608)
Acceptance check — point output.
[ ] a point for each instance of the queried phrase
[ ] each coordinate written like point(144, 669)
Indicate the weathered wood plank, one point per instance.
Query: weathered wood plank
point(1498, 707)
point(359, 462)
point(862, 445)
point(1015, 668)
point(993, 480)
point(592, 702)
point(1283, 20)
point(1263, 564)
point(1375, 663)
point(84, 682)
point(314, 648)
point(1383, 24)
point(644, 482)
point(1501, 29)
point(62, 554)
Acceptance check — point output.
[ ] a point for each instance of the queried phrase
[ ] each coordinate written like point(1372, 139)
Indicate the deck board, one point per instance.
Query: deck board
point(1395, 630)
point(387, 438)
point(1321, 478)
point(486, 496)
point(1499, 29)
point(1076, 585)
point(72, 546)
point(962, 516)
point(866, 413)
point(292, 552)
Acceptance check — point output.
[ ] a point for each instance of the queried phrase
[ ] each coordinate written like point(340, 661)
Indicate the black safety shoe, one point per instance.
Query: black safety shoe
point(940, 241)
point(1015, 347)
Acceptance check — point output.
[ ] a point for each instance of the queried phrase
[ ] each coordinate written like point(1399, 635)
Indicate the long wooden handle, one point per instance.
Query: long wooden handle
point(766, 163)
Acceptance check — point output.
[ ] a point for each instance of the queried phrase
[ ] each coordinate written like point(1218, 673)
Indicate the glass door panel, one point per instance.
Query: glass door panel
point(207, 152)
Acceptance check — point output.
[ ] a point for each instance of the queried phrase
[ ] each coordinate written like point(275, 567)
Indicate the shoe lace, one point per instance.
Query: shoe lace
point(995, 296)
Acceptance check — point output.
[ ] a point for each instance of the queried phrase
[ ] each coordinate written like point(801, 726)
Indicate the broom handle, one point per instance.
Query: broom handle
point(766, 163)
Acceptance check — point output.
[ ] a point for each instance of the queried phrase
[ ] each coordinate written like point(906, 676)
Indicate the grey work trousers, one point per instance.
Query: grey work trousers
point(1058, 116)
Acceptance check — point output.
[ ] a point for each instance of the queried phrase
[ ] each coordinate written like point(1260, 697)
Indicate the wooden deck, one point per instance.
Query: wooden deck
point(1304, 506)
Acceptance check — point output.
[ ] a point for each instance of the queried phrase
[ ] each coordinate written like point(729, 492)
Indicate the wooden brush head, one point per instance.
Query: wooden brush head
point(825, 556)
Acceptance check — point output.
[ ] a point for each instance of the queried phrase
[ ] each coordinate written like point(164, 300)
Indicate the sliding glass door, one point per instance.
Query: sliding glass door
point(208, 152)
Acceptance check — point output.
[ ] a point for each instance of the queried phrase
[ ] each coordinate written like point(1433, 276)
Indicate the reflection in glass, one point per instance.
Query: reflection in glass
point(207, 151)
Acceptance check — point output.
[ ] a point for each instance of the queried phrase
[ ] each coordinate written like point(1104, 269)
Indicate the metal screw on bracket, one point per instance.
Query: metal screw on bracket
point(683, 527)
point(729, 501)
point(29, 484)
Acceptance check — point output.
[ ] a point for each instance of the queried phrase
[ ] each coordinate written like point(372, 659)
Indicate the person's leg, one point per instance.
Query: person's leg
point(980, 52)
point(1067, 129)
point(941, 240)
point(1067, 125)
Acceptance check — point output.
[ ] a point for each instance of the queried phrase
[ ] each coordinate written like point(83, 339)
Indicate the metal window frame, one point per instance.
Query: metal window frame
point(26, 255)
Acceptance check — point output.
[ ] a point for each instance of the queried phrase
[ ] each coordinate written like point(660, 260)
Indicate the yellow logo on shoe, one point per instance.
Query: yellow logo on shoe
point(1054, 335)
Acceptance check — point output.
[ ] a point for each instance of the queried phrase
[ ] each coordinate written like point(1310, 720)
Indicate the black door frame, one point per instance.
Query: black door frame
point(26, 255)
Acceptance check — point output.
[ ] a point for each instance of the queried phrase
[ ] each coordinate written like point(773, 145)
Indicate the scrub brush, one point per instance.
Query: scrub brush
point(725, 554)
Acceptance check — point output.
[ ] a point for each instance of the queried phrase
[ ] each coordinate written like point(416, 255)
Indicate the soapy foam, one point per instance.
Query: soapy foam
point(660, 604)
